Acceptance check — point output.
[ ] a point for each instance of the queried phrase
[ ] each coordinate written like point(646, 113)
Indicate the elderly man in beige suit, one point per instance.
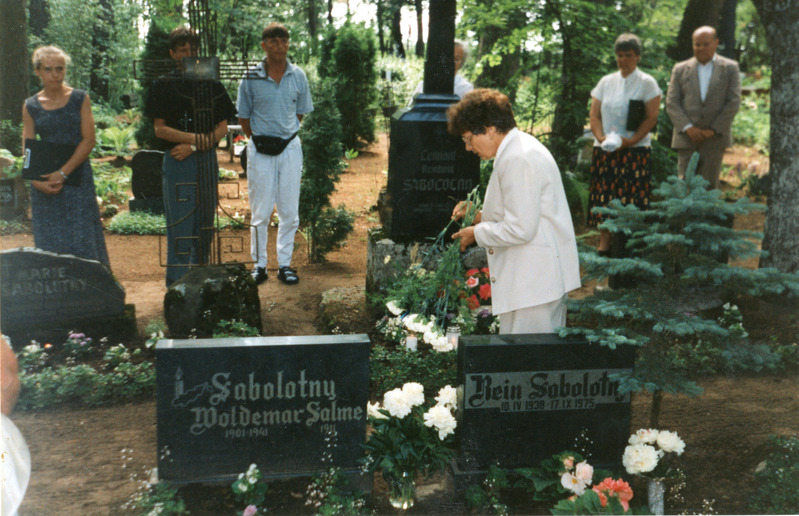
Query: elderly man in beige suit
point(704, 95)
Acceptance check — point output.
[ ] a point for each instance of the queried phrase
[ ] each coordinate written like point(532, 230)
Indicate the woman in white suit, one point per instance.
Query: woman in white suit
point(525, 224)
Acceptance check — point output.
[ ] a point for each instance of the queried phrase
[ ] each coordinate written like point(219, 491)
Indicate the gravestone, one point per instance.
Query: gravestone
point(528, 397)
point(429, 170)
point(145, 182)
point(43, 293)
point(9, 204)
point(224, 404)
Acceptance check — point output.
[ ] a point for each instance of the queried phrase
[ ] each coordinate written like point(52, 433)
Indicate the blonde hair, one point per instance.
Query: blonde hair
point(41, 53)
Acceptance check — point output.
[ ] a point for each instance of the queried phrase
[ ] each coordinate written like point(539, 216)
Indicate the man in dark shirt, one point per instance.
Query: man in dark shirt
point(190, 168)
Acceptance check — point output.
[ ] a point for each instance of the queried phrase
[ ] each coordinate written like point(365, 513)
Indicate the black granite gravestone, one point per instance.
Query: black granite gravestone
point(429, 170)
point(40, 289)
point(224, 404)
point(528, 397)
point(145, 181)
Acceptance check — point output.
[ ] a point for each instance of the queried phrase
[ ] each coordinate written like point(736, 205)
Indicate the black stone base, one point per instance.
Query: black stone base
point(153, 205)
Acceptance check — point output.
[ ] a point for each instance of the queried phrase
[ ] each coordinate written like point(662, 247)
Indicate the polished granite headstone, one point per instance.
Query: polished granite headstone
point(41, 290)
point(145, 181)
point(224, 404)
point(527, 397)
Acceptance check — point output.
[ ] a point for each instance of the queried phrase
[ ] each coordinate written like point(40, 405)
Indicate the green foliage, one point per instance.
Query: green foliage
point(137, 223)
point(778, 478)
point(154, 332)
point(674, 248)
point(11, 137)
point(751, 126)
point(111, 183)
point(588, 503)
point(162, 499)
point(234, 329)
point(12, 227)
point(543, 481)
point(351, 69)
point(119, 378)
point(10, 165)
point(329, 493)
point(487, 497)
point(324, 228)
point(116, 140)
point(391, 367)
point(249, 488)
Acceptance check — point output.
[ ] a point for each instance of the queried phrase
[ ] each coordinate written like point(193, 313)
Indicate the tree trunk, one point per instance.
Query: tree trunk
point(419, 29)
point(781, 239)
point(39, 16)
point(312, 26)
point(727, 30)
point(380, 15)
point(697, 13)
point(330, 12)
point(396, 31)
point(13, 60)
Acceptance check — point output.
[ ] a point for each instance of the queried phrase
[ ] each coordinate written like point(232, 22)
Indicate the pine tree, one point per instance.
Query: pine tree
point(674, 250)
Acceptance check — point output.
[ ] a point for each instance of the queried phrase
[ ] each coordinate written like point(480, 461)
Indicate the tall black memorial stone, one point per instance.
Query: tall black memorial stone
point(429, 170)
point(527, 397)
point(224, 404)
point(145, 182)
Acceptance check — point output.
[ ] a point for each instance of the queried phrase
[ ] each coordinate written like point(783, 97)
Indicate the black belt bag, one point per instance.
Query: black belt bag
point(271, 145)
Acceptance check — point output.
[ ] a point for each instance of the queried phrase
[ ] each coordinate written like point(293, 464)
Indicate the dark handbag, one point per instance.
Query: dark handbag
point(45, 157)
point(271, 145)
point(636, 114)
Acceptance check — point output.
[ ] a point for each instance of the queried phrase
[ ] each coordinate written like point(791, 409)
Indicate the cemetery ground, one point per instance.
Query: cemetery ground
point(92, 460)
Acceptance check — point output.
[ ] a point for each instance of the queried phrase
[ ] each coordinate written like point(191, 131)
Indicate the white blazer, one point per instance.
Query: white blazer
point(526, 227)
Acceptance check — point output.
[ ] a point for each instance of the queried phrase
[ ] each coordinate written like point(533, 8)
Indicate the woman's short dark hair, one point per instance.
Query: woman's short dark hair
point(478, 110)
point(182, 35)
point(275, 30)
point(627, 42)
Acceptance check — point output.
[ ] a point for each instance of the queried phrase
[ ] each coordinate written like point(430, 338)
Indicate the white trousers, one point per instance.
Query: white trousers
point(535, 319)
point(274, 180)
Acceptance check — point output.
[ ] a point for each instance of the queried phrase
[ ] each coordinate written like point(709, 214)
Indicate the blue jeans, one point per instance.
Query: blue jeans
point(190, 196)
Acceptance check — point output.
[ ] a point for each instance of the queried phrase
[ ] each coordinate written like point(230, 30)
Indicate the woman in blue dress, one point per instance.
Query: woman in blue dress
point(66, 218)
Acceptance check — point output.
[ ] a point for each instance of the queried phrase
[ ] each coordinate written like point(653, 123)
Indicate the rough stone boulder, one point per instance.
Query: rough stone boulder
point(343, 310)
point(196, 303)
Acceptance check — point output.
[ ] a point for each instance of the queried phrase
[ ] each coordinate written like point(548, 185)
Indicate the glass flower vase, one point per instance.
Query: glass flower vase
point(401, 490)
point(656, 491)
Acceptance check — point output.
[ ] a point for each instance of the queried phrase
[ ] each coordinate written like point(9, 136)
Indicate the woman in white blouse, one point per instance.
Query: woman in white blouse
point(624, 110)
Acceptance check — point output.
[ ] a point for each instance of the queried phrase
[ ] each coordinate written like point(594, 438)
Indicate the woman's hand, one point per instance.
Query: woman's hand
point(50, 184)
point(462, 208)
point(625, 143)
point(467, 237)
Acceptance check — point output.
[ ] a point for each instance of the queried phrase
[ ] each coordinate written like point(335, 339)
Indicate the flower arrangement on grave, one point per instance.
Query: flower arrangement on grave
point(610, 496)
point(650, 453)
point(409, 436)
point(423, 303)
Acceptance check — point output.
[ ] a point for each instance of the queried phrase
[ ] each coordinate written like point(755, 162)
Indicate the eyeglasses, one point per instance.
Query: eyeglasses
point(467, 139)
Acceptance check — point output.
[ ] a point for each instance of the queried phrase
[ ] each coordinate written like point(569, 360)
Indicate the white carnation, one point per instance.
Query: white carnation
point(670, 442)
point(442, 419)
point(639, 458)
point(415, 392)
point(393, 308)
point(397, 403)
point(373, 411)
point(448, 396)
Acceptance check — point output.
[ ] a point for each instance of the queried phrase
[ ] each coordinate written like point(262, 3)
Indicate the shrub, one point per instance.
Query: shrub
point(137, 223)
point(161, 499)
point(111, 184)
point(392, 367)
point(234, 328)
point(778, 478)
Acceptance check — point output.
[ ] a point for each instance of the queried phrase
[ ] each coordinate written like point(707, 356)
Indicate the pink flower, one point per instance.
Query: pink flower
point(250, 510)
point(618, 488)
point(472, 282)
point(584, 471)
point(485, 291)
point(568, 462)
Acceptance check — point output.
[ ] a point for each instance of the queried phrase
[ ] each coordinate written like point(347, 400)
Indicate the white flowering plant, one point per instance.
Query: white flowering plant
point(248, 489)
point(409, 434)
point(650, 453)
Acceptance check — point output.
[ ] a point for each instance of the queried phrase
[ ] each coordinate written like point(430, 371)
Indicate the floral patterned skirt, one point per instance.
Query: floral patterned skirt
point(623, 174)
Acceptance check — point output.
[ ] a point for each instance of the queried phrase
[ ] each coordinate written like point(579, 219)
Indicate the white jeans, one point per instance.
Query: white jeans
point(535, 319)
point(274, 180)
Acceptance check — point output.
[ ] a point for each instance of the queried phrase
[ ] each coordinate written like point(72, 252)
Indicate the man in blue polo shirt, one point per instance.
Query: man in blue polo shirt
point(272, 99)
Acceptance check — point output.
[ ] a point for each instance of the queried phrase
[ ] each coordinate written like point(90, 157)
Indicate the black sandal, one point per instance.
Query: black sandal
point(288, 275)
